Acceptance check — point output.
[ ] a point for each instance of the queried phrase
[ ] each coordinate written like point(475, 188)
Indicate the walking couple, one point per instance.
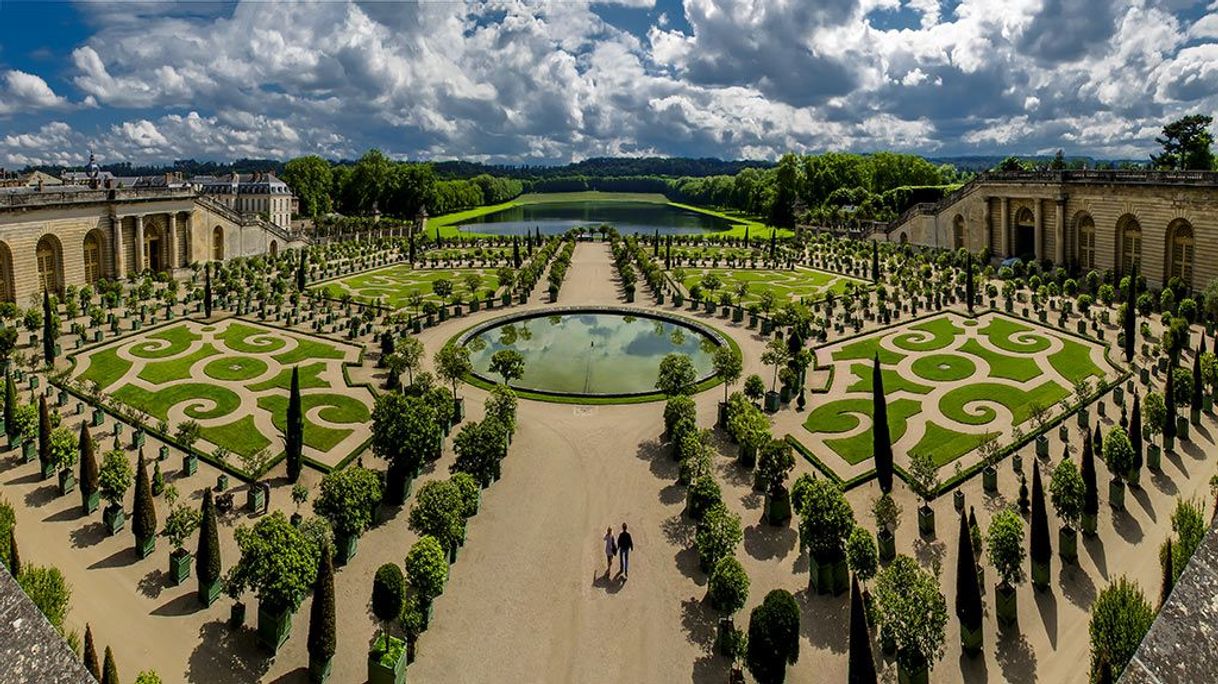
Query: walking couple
point(622, 545)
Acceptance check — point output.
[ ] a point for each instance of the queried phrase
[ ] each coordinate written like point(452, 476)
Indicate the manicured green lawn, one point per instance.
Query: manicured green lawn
point(1017, 368)
point(941, 368)
point(161, 372)
point(178, 337)
point(1002, 333)
point(1074, 361)
point(393, 285)
point(310, 378)
point(893, 381)
point(235, 368)
point(105, 368)
point(1016, 400)
point(206, 401)
point(944, 351)
point(801, 283)
point(843, 416)
point(941, 330)
point(946, 445)
point(336, 409)
point(867, 348)
point(206, 384)
point(240, 436)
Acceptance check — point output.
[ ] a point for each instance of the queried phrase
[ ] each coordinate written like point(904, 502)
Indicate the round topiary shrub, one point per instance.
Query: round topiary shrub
point(728, 586)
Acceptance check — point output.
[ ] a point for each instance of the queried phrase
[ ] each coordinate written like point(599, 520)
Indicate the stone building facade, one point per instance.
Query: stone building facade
point(76, 235)
point(1166, 222)
point(256, 193)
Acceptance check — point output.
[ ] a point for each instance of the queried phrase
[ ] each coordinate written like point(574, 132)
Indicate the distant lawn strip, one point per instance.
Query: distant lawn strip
point(1017, 368)
point(235, 368)
point(866, 349)
point(941, 368)
point(310, 378)
point(308, 350)
point(942, 332)
point(240, 436)
point(1017, 401)
point(336, 409)
point(1074, 361)
point(162, 372)
point(237, 337)
point(843, 416)
point(105, 367)
point(179, 338)
point(893, 381)
point(196, 394)
point(945, 445)
point(739, 221)
point(1001, 332)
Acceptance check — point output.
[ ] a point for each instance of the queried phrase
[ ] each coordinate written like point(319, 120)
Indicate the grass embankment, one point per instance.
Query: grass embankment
point(448, 223)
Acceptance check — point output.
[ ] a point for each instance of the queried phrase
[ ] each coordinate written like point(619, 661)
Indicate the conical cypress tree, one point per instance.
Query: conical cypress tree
point(207, 290)
point(1131, 313)
point(1169, 398)
point(44, 433)
point(968, 586)
point(746, 235)
point(14, 555)
point(143, 521)
point(10, 404)
point(1039, 546)
point(656, 245)
point(881, 437)
point(321, 614)
point(294, 429)
point(301, 271)
point(969, 287)
point(1097, 441)
point(668, 250)
point(1135, 433)
point(773, 243)
point(875, 261)
point(88, 463)
point(49, 333)
point(1091, 495)
point(207, 556)
point(1168, 581)
point(862, 664)
point(974, 531)
point(91, 654)
point(110, 670)
point(1195, 404)
point(516, 252)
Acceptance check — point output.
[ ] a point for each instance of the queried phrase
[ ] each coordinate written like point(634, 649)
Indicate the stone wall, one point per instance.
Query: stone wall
point(989, 210)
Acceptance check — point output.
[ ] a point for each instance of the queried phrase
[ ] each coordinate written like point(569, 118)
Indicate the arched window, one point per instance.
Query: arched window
point(47, 253)
point(1086, 243)
point(274, 248)
point(1180, 251)
point(958, 232)
point(217, 244)
point(1129, 235)
point(93, 258)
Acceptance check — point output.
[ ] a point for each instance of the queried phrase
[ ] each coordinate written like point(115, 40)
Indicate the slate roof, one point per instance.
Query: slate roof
point(31, 651)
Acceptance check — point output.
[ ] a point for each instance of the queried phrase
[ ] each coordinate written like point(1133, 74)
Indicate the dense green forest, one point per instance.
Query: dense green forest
point(828, 187)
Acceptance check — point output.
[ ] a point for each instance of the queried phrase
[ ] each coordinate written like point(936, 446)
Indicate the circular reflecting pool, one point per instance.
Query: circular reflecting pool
point(591, 352)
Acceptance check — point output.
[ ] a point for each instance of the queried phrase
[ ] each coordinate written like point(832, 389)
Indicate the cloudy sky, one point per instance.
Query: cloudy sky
point(543, 82)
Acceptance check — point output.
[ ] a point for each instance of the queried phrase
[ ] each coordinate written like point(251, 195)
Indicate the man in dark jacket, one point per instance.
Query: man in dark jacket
point(624, 546)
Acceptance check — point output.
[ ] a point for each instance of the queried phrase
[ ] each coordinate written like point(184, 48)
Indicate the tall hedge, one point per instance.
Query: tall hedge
point(968, 585)
point(322, 638)
point(88, 462)
point(881, 437)
point(862, 663)
point(143, 521)
point(1039, 546)
point(1091, 494)
point(293, 437)
point(207, 557)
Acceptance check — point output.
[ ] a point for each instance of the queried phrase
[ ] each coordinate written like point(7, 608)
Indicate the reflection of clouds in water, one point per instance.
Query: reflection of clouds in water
point(593, 352)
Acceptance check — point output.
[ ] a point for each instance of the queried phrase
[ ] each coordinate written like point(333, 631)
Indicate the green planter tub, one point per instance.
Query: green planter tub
point(274, 627)
point(387, 661)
